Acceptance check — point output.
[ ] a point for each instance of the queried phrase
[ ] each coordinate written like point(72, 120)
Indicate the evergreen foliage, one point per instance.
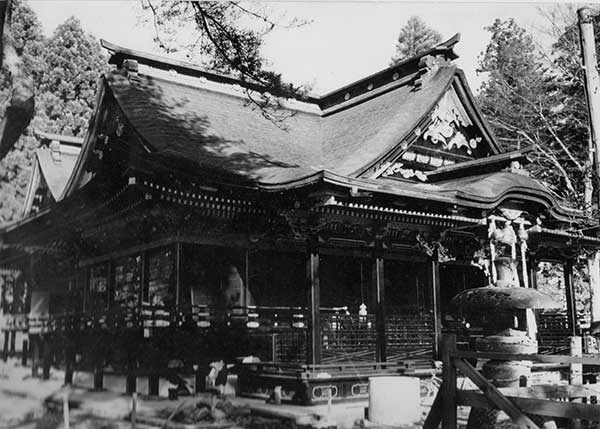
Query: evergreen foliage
point(414, 38)
point(529, 100)
point(65, 68)
point(532, 97)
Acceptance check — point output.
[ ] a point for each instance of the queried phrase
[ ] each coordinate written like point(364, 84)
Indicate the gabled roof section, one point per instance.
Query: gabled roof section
point(450, 131)
point(188, 118)
point(181, 110)
point(54, 162)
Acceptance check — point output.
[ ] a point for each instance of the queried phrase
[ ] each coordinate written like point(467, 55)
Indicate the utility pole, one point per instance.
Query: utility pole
point(592, 91)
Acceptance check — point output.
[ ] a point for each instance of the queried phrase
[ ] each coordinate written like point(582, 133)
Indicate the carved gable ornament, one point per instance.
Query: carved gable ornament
point(449, 123)
point(448, 136)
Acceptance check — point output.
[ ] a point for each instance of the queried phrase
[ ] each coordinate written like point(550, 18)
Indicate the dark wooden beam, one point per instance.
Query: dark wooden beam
point(110, 284)
point(570, 295)
point(492, 393)
point(436, 304)
point(314, 305)
point(24, 352)
point(46, 358)
point(144, 292)
point(539, 406)
point(5, 348)
point(379, 294)
point(69, 360)
point(244, 297)
point(35, 358)
point(178, 269)
point(448, 388)
point(13, 343)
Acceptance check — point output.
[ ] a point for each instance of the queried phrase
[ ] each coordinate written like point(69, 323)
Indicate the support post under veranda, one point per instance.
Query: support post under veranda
point(448, 389)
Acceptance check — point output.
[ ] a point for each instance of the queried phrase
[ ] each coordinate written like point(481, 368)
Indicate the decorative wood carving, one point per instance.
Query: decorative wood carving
point(447, 121)
point(397, 169)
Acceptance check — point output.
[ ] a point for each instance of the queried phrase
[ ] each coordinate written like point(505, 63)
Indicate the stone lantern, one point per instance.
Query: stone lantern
point(506, 310)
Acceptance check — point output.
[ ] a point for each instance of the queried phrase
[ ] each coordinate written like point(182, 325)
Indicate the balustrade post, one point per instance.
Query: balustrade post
point(314, 305)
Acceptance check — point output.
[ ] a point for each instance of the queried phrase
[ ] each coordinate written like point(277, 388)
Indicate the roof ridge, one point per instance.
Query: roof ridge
point(383, 77)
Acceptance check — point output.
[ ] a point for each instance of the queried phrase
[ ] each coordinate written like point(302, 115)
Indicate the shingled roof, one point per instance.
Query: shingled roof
point(188, 116)
point(189, 113)
point(54, 162)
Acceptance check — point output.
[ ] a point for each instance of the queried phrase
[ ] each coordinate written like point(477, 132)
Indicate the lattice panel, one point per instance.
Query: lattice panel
point(289, 346)
point(553, 332)
point(348, 337)
point(408, 335)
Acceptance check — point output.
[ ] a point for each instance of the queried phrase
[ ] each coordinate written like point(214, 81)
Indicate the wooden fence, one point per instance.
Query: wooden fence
point(555, 401)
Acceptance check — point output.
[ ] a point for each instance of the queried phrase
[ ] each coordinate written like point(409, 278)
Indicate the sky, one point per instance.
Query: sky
point(343, 41)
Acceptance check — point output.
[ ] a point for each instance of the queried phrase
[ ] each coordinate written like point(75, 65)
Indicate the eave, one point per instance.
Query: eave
point(466, 168)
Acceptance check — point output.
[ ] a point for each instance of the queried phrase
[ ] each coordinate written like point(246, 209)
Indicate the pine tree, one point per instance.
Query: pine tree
point(523, 99)
point(74, 61)
point(65, 69)
point(414, 38)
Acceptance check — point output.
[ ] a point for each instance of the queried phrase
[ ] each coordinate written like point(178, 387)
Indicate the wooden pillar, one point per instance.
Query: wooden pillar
point(244, 297)
point(379, 291)
point(178, 274)
point(570, 295)
point(98, 375)
point(46, 358)
point(436, 304)
point(110, 286)
point(145, 293)
point(131, 382)
point(5, 348)
point(13, 343)
point(69, 361)
point(98, 359)
point(131, 378)
point(153, 384)
point(35, 358)
point(448, 388)
point(314, 307)
point(24, 352)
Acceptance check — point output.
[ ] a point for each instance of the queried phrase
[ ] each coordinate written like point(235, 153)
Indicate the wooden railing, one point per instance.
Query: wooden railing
point(152, 316)
point(572, 401)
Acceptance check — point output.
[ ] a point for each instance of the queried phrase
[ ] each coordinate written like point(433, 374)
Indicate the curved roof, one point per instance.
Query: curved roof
point(54, 163)
point(187, 116)
point(219, 130)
